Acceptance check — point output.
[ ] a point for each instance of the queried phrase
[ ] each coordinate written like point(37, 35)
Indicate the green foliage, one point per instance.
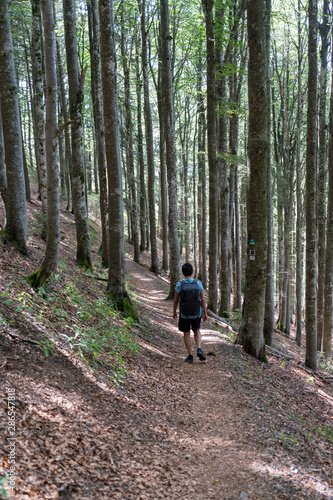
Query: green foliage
point(3, 491)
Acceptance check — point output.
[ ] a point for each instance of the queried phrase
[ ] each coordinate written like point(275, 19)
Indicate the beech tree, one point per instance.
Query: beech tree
point(76, 83)
point(38, 104)
point(16, 215)
point(149, 139)
point(252, 325)
point(311, 193)
point(116, 279)
point(50, 262)
point(169, 134)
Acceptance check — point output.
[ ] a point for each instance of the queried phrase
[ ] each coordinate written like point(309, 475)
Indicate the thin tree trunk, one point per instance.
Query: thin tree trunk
point(68, 152)
point(311, 178)
point(170, 147)
point(328, 287)
point(163, 172)
point(213, 169)
point(149, 141)
point(38, 104)
point(116, 280)
point(129, 147)
point(50, 262)
point(3, 176)
point(269, 294)
point(97, 94)
point(322, 176)
point(140, 160)
point(16, 215)
point(75, 84)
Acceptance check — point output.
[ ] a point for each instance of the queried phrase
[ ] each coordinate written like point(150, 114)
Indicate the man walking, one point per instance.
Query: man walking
point(192, 309)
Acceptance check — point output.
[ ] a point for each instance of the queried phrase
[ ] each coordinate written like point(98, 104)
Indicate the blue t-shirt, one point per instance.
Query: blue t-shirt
point(178, 288)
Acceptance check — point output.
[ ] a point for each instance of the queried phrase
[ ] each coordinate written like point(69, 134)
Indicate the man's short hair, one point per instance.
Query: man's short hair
point(187, 269)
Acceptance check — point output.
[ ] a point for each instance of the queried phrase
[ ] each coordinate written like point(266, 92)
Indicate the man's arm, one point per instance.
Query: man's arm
point(204, 306)
point(175, 304)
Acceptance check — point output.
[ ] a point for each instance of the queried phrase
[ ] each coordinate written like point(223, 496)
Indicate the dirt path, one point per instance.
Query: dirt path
point(228, 428)
point(221, 436)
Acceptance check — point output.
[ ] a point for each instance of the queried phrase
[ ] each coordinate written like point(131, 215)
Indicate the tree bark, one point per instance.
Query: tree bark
point(311, 180)
point(116, 280)
point(328, 286)
point(142, 195)
point(170, 147)
point(149, 141)
point(322, 175)
point(97, 93)
point(75, 84)
point(213, 168)
point(16, 215)
point(129, 147)
point(50, 261)
point(38, 104)
point(252, 324)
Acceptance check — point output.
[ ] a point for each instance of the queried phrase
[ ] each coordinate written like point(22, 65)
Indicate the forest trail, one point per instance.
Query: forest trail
point(227, 428)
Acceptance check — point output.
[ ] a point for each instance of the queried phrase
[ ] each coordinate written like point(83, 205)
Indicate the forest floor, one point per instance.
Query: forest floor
point(227, 428)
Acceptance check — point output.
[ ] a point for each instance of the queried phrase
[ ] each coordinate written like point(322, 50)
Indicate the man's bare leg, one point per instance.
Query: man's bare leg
point(197, 338)
point(187, 341)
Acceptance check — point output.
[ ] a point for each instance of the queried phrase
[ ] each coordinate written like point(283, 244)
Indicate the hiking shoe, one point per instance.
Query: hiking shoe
point(189, 359)
point(201, 355)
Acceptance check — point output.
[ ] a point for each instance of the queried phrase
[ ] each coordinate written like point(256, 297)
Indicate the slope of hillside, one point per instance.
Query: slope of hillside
point(96, 406)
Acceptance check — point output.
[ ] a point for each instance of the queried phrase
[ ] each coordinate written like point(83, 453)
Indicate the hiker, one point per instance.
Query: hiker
point(192, 309)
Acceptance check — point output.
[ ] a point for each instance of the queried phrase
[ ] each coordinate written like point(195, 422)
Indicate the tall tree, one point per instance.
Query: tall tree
point(322, 171)
point(76, 84)
point(97, 94)
point(269, 294)
point(16, 214)
point(328, 287)
point(149, 139)
point(129, 144)
point(50, 262)
point(170, 146)
point(208, 7)
point(116, 280)
point(38, 103)
point(311, 193)
point(252, 324)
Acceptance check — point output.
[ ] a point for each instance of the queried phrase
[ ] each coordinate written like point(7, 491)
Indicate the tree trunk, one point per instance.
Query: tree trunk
point(16, 215)
point(311, 178)
point(116, 279)
point(129, 147)
point(299, 217)
point(142, 195)
point(269, 294)
point(38, 104)
point(170, 147)
point(68, 152)
point(213, 169)
point(3, 176)
point(75, 84)
point(163, 172)
point(96, 87)
point(322, 176)
point(149, 141)
point(252, 325)
point(328, 287)
point(50, 262)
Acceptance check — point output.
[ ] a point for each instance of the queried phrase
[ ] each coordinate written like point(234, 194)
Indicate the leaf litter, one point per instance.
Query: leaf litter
point(227, 428)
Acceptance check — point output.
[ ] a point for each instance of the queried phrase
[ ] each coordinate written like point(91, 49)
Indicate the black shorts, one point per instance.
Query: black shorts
point(185, 325)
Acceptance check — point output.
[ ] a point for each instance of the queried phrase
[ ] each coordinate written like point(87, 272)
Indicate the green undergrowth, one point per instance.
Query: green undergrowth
point(72, 313)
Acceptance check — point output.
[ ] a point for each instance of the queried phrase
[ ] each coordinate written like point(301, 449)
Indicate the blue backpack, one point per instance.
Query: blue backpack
point(190, 301)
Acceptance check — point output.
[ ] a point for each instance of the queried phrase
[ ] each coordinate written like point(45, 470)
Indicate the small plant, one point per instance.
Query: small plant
point(3, 491)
